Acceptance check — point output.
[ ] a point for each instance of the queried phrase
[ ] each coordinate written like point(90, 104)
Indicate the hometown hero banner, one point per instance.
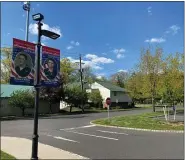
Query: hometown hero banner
point(23, 62)
point(50, 68)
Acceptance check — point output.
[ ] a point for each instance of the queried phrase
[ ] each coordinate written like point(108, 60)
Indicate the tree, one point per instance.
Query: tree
point(119, 78)
point(66, 70)
point(135, 87)
point(150, 66)
point(96, 98)
point(22, 99)
point(74, 96)
point(6, 56)
point(51, 94)
point(172, 85)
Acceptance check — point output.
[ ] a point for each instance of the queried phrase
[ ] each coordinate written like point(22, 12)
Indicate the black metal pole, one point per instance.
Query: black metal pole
point(37, 85)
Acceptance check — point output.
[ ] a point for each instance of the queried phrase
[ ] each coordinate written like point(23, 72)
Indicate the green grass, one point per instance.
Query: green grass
point(6, 156)
point(144, 105)
point(144, 121)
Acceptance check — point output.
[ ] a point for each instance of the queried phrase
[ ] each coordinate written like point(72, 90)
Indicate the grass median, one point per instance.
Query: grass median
point(6, 156)
point(144, 121)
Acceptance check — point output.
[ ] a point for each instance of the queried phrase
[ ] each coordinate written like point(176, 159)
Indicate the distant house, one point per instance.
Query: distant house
point(119, 96)
point(7, 110)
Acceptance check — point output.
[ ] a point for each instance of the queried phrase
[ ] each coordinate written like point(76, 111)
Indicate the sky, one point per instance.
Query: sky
point(108, 35)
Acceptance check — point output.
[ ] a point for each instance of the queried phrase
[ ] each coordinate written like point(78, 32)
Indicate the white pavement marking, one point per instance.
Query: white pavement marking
point(92, 135)
point(112, 132)
point(79, 127)
point(65, 139)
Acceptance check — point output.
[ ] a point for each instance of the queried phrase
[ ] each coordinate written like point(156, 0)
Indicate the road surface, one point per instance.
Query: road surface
point(75, 134)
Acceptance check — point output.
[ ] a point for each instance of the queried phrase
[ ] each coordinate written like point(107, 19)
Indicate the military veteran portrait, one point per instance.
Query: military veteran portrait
point(23, 64)
point(50, 71)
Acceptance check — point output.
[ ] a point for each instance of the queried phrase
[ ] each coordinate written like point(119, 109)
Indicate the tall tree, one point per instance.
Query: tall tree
point(6, 56)
point(66, 70)
point(150, 65)
point(119, 78)
point(172, 87)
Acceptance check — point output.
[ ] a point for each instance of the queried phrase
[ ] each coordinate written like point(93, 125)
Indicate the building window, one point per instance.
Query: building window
point(115, 93)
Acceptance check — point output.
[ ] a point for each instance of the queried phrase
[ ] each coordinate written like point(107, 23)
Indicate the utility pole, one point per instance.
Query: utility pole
point(81, 80)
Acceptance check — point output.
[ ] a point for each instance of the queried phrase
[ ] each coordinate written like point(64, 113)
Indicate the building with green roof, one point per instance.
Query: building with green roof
point(119, 96)
point(7, 110)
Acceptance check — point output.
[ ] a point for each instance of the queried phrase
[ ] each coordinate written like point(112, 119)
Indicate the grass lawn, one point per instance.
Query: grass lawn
point(6, 156)
point(144, 121)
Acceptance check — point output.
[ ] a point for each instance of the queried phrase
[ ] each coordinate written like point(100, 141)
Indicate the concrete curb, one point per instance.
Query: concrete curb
point(139, 129)
point(20, 148)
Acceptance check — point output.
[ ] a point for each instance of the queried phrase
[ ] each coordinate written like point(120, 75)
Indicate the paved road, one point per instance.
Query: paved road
point(74, 133)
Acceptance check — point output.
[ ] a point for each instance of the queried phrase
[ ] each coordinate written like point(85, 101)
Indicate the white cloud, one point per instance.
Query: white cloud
point(21, 29)
point(119, 56)
point(174, 29)
point(155, 40)
point(8, 34)
point(38, 4)
point(123, 70)
point(119, 52)
point(23, 15)
point(69, 47)
point(95, 59)
point(34, 30)
point(86, 64)
point(104, 53)
point(149, 9)
point(77, 43)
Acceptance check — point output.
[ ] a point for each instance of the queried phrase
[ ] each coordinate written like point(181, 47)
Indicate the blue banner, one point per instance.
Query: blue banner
point(23, 62)
point(50, 68)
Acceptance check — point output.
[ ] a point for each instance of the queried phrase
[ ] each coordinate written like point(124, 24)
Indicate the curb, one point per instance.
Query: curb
point(139, 129)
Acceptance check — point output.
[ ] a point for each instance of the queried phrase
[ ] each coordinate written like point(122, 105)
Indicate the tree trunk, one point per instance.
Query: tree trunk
point(71, 108)
point(23, 112)
point(153, 105)
point(50, 107)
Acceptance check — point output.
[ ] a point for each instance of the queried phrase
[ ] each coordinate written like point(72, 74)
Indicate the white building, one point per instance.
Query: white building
point(119, 96)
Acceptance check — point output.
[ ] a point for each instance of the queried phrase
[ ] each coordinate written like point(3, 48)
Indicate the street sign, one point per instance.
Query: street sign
point(23, 62)
point(50, 68)
point(108, 101)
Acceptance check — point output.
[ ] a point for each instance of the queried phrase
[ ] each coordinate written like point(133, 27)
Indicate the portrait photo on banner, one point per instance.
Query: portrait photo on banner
point(23, 62)
point(50, 66)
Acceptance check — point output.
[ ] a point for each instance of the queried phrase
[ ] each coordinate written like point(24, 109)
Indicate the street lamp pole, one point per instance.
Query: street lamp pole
point(37, 85)
point(38, 17)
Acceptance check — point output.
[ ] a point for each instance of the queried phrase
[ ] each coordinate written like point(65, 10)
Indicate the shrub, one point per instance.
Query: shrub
point(96, 98)
point(22, 99)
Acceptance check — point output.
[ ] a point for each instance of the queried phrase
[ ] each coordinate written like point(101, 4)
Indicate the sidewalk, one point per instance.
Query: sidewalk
point(20, 148)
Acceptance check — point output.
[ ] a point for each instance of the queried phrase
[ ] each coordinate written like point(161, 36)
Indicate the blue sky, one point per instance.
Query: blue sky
point(109, 35)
